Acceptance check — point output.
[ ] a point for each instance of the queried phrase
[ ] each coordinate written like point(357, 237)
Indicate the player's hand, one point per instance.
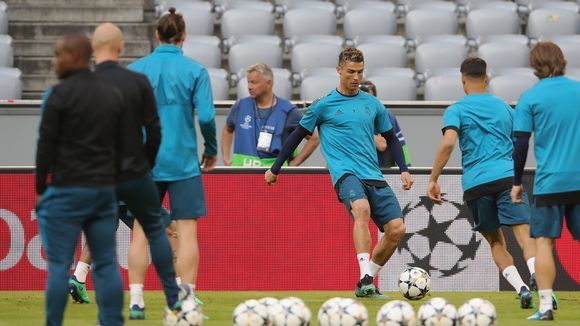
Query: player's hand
point(227, 161)
point(434, 193)
point(270, 177)
point(407, 180)
point(208, 162)
point(517, 194)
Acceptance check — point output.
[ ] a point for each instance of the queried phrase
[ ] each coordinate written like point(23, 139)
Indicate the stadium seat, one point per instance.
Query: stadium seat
point(547, 23)
point(384, 39)
point(219, 84)
point(369, 22)
point(421, 23)
point(552, 4)
point(507, 38)
point(10, 84)
point(238, 22)
point(500, 55)
point(247, 4)
point(317, 86)
point(394, 84)
point(304, 21)
point(405, 6)
point(493, 5)
point(307, 56)
point(509, 87)
point(231, 41)
point(485, 22)
point(384, 55)
point(444, 87)
point(6, 51)
point(313, 38)
point(369, 4)
point(570, 45)
point(197, 16)
point(573, 73)
point(207, 39)
point(245, 54)
point(433, 56)
point(207, 54)
point(282, 85)
point(312, 4)
point(3, 18)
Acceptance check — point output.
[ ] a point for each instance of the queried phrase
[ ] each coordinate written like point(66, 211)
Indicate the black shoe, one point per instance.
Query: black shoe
point(548, 315)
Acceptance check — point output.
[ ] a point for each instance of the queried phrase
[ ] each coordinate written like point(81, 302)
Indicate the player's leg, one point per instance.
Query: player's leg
point(171, 232)
point(100, 231)
point(59, 232)
point(138, 260)
point(77, 283)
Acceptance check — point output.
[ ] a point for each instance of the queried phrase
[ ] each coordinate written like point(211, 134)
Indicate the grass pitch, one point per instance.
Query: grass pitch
point(27, 308)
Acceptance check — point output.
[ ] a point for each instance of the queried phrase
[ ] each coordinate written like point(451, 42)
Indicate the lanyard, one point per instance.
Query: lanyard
point(257, 115)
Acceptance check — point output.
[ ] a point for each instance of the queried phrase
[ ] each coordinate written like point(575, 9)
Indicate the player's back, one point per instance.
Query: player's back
point(485, 124)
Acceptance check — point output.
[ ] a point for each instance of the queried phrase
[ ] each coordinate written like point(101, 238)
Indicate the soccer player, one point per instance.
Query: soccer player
point(181, 85)
point(347, 119)
point(550, 110)
point(135, 186)
point(76, 163)
point(483, 123)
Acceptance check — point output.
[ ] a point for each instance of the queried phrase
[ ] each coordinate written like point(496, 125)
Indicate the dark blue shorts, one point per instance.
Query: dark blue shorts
point(186, 198)
point(494, 210)
point(547, 220)
point(382, 200)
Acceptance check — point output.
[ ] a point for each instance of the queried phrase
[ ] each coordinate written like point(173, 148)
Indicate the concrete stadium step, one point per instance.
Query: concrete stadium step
point(76, 13)
point(52, 30)
point(45, 48)
point(43, 65)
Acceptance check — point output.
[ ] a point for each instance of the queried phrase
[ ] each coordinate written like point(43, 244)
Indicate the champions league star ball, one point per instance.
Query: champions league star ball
point(190, 315)
point(437, 312)
point(396, 313)
point(414, 283)
point(290, 312)
point(250, 313)
point(343, 312)
point(328, 314)
point(476, 312)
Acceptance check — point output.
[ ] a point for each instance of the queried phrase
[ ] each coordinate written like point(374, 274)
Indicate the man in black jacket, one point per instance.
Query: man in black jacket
point(136, 187)
point(76, 164)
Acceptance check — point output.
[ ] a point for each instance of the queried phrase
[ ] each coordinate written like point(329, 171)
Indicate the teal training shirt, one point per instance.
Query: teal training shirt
point(484, 124)
point(346, 125)
point(180, 84)
point(551, 111)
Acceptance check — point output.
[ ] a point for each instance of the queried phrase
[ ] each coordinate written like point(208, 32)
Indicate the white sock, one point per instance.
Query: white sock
point(375, 268)
point(81, 271)
point(363, 263)
point(531, 265)
point(511, 274)
point(136, 291)
point(545, 300)
point(178, 281)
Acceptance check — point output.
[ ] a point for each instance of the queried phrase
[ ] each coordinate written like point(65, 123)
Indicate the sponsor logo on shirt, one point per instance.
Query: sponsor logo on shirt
point(247, 121)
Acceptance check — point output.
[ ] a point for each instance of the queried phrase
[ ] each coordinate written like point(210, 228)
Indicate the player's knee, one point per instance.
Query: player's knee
point(395, 230)
point(361, 210)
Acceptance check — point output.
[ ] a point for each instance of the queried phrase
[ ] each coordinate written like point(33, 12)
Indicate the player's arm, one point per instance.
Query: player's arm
point(289, 147)
point(203, 101)
point(312, 142)
point(520, 155)
point(48, 135)
point(151, 123)
point(228, 134)
point(444, 151)
point(396, 150)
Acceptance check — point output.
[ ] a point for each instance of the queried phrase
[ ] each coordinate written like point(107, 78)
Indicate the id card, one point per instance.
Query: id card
point(264, 141)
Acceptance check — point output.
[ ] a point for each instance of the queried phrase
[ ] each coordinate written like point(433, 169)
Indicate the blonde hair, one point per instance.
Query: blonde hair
point(263, 69)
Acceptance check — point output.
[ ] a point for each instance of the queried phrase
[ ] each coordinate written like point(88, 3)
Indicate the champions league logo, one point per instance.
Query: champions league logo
point(247, 121)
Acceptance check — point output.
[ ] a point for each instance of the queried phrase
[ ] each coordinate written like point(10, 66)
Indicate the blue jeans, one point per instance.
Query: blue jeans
point(62, 213)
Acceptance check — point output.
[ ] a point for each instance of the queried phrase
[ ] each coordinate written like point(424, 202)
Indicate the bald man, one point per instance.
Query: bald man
point(76, 166)
point(136, 188)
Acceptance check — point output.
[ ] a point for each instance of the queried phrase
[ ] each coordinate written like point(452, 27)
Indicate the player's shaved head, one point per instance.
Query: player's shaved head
point(72, 52)
point(109, 36)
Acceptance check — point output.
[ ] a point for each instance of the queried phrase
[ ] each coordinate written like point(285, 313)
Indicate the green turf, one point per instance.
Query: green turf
point(27, 308)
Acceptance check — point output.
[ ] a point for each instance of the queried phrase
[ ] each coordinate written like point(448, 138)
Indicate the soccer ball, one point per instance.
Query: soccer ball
point(250, 313)
point(290, 312)
point(414, 283)
point(190, 315)
point(396, 313)
point(476, 312)
point(350, 312)
point(437, 312)
point(328, 314)
point(308, 313)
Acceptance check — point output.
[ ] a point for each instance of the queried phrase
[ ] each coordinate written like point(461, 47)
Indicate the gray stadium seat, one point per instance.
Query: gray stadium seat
point(384, 39)
point(433, 56)
point(231, 41)
point(369, 22)
point(547, 23)
point(197, 16)
point(486, 21)
point(394, 86)
point(207, 54)
point(313, 4)
point(573, 73)
point(422, 23)
point(384, 55)
point(6, 51)
point(444, 87)
point(369, 4)
point(551, 4)
point(313, 38)
point(570, 45)
point(238, 22)
point(207, 39)
point(508, 38)
point(219, 84)
point(3, 18)
point(405, 6)
point(493, 5)
point(500, 55)
point(282, 85)
point(245, 54)
point(317, 86)
point(509, 87)
point(10, 84)
point(307, 56)
point(303, 21)
point(247, 4)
